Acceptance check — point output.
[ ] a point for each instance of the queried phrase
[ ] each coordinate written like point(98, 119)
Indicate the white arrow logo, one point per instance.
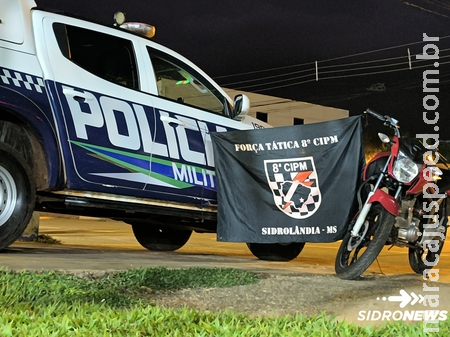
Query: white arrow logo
point(405, 298)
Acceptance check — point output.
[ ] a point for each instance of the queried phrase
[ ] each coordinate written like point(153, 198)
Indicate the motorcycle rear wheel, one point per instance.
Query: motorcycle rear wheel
point(350, 264)
point(418, 255)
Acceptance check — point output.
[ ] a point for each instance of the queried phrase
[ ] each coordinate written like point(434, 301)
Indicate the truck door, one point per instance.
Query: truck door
point(188, 106)
point(103, 116)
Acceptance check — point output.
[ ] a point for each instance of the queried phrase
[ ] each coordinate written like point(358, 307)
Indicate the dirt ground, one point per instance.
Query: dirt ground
point(308, 295)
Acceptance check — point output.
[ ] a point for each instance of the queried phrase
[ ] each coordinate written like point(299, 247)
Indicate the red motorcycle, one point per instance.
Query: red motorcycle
point(403, 202)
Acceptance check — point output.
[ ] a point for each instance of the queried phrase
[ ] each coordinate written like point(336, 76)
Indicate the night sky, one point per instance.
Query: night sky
point(271, 46)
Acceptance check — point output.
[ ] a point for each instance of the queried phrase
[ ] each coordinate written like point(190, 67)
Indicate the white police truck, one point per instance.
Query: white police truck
point(102, 121)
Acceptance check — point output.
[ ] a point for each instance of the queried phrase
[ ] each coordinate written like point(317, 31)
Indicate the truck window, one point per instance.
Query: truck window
point(177, 82)
point(109, 57)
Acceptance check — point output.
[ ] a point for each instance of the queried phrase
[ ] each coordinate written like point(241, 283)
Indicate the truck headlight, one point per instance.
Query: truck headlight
point(405, 170)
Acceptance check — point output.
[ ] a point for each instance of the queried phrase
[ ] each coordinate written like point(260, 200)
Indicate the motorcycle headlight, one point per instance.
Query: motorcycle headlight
point(405, 170)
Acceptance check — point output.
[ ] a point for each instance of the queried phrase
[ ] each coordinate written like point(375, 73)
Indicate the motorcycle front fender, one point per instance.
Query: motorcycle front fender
point(387, 201)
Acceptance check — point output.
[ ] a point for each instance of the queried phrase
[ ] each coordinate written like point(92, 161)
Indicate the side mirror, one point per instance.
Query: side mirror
point(241, 105)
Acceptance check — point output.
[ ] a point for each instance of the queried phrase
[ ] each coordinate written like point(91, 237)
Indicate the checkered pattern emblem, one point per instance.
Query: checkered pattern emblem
point(294, 186)
point(21, 80)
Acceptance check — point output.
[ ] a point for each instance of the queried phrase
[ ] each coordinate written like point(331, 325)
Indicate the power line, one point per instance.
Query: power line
point(331, 66)
point(331, 77)
point(312, 74)
point(379, 60)
point(380, 66)
point(327, 60)
point(382, 49)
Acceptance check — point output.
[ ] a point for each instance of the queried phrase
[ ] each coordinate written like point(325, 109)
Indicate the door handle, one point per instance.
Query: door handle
point(171, 120)
point(78, 94)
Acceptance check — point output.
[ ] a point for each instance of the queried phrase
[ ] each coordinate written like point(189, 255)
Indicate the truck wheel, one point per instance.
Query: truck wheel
point(160, 239)
point(276, 251)
point(17, 196)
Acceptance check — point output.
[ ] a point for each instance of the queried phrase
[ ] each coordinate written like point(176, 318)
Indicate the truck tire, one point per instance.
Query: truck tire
point(276, 251)
point(17, 195)
point(160, 239)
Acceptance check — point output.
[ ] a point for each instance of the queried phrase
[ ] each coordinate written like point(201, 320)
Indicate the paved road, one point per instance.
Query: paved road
point(99, 245)
point(91, 244)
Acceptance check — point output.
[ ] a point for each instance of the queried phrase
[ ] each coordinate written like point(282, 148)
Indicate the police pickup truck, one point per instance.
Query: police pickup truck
point(102, 121)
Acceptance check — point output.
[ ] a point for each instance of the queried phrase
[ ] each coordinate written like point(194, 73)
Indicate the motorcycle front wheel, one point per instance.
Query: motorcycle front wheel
point(356, 254)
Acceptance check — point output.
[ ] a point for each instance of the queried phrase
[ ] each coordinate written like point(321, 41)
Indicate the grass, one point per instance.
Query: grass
point(52, 304)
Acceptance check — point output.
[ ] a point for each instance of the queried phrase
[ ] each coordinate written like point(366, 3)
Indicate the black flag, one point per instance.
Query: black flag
point(288, 184)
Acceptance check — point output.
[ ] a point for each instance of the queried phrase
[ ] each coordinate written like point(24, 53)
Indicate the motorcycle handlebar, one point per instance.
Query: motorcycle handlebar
point(389, 121)
point(375, 114)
